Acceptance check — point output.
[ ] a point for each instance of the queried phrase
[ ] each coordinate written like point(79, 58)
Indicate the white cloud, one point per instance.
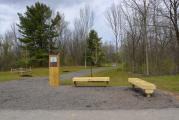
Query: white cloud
point(70, 12)
point(8, 16)
point(98, 6)
point(70, 8)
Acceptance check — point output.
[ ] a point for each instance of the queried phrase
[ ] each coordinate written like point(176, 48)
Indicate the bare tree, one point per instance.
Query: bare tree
point(173, 9)
point(172, 14)
point(143, 10)
point(83, 25)
point(16, 43)
point(113, 17)
point(133, 33)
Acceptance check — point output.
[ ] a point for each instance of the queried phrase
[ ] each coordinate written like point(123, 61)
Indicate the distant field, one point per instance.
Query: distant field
point(38, 72)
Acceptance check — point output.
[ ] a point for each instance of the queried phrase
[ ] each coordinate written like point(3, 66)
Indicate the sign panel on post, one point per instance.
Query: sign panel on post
point(53, 61)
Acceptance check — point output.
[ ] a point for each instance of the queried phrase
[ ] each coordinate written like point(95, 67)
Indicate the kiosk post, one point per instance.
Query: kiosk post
point(54, 73)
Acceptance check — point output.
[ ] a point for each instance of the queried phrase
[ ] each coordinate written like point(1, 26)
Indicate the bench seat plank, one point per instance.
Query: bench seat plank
point(141, 83)
point(146, 86)
point(90, 79)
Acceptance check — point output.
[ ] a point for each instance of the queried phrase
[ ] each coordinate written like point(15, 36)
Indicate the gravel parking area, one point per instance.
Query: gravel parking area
point(32, 94)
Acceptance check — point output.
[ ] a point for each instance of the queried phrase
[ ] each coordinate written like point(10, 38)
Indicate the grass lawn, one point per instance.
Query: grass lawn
point(4, 76)
point(119, 78)
point(169, 82)
point(38, 72)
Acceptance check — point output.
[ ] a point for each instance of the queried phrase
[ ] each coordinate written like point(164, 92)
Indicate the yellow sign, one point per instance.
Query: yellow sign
point(54, 74)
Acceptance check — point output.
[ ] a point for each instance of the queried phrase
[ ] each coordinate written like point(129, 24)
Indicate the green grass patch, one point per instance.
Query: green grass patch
point(119, 78)
point(66, 82)
point(38, 72)
point(5, 76)
point(167, 82)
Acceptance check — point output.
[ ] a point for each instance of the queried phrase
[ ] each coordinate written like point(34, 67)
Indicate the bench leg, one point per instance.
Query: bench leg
point(148, 95)
point(133, 86)
point(149, 92)
point(107, 82)
point(75, 84)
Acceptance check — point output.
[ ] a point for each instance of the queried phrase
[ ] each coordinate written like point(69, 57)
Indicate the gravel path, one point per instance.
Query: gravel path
point(70, 75)
point(35, 93)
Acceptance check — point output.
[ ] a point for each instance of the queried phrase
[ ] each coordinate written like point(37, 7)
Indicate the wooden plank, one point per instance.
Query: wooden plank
point(91, 79)
point(141, 83)
point(54, 76)
point(146, 86)
point(54, 73)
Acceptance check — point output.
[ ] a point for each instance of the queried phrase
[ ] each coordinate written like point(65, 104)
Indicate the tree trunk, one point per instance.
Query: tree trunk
point(146, 40)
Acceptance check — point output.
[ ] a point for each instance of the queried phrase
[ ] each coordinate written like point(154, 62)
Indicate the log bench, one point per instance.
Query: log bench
point(144, 85)
point(91, 79)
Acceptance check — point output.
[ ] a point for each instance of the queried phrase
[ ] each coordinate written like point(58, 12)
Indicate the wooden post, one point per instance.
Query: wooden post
point(54, 74)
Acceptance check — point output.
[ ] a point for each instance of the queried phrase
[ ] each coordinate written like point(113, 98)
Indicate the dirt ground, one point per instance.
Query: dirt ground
point(36, 94)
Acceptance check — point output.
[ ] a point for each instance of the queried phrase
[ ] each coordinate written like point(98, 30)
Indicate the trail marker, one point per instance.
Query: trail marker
point(54, 74)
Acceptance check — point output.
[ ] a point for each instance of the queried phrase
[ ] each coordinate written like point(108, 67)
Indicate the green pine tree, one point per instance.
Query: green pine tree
point(38, 30)
point(94, 51)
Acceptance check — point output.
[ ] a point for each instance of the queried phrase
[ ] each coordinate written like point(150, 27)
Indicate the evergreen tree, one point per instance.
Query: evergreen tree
point(94, 50)
point(38, 30)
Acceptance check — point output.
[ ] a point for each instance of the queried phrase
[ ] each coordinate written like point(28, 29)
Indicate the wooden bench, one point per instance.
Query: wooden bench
point(90, 79)
point(146, 86)
point(23, 71)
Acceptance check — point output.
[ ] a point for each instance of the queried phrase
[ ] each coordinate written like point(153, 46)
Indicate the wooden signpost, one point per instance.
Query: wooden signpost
point(54, 74)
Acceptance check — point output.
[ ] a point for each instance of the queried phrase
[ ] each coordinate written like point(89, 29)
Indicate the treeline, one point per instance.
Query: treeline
point(41, 31)
point(148, 33)
point(146, 37)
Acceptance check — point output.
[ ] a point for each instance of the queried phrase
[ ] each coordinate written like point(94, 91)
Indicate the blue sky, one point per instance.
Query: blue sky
point(70, 8)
